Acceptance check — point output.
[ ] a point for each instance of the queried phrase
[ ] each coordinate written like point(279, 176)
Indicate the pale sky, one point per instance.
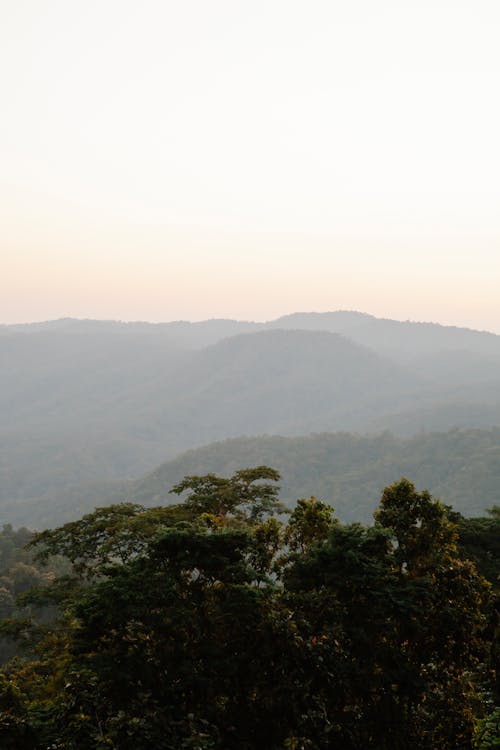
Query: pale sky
point(229, 158)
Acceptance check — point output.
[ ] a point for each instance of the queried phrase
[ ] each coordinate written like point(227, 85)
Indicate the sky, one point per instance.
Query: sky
point(165, 160)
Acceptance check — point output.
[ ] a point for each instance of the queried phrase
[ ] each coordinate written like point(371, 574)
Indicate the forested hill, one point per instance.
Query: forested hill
point(94, 402)
point(461, 467)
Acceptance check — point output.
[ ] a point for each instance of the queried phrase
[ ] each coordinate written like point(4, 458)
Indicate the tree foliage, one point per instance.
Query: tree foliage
point(213, 624)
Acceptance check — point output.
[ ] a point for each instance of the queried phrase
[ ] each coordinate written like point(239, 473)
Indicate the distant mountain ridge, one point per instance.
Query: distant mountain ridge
point(410, 336)
point(392, 337)
point(98, 401)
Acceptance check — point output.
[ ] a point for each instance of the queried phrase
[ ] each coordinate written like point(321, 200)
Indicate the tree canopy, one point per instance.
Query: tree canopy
point(214, 623)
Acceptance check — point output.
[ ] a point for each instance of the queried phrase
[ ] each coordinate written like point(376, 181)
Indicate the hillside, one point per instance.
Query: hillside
point(110, 407)
point(461, 467)
point(395, 338)
point(90, 402)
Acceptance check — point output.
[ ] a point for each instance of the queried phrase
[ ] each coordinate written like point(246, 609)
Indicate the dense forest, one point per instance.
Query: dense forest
point(224, 621)
point(462, 467)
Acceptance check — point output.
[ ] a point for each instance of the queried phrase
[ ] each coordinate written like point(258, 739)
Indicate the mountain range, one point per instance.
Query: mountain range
point(87, 403)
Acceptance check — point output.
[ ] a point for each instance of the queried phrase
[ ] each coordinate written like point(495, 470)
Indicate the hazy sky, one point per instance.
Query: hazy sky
point(206, 158)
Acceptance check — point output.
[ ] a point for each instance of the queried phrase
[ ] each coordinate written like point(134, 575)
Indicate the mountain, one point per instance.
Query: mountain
point(402, 340)
point(181, 333)
point(86, 402)
point(113, 406)
point(462, 467)
point(398, 339)
point(288, 382)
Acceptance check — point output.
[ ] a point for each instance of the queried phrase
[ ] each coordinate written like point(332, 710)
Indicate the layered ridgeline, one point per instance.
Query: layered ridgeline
point(85, 403)
point(461, 467)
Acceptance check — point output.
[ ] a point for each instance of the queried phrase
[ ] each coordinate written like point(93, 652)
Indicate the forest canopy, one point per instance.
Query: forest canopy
point(224, 622)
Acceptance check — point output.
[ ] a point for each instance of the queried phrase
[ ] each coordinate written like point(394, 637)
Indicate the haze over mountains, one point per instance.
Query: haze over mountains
point(87, 402)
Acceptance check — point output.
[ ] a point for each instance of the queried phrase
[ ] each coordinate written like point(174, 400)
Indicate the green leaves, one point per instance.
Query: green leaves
point(310, 522)
point(210, 624)
point(113, 535)
point(420, 526)
point(243, 498)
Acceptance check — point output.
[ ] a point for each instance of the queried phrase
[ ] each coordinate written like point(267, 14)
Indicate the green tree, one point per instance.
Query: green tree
point(209, 625)
point(479, 540)
point(311, 521)
point(244, 498)
point(420, 526)
point(397, 618)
